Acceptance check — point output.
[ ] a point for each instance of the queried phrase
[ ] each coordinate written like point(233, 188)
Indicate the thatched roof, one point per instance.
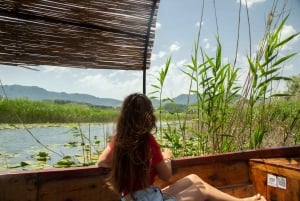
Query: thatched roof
point(102, 34)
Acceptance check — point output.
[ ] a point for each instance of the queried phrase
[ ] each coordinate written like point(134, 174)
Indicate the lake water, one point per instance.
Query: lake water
point(18, 145)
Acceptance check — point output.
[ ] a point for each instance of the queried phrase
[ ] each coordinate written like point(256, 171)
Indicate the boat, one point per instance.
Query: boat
point(273, 172)
point(48, 31)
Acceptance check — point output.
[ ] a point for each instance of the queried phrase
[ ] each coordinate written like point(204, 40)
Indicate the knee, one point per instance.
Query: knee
point(194, 178)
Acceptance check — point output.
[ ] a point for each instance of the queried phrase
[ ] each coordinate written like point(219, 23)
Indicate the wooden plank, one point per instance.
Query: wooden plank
point(17, 187)
point(287, 168)
point(218, 174)
point(281, 166)
point(76, 184)
point(241, 190)
point(89, 188)
point(232, 178)
point(70, 184)
point(275, 194)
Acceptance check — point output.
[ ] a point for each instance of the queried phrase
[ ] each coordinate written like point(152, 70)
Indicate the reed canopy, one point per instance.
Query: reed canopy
point(102, 34)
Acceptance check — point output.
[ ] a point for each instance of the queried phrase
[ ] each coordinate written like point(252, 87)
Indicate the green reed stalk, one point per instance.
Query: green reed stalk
point(264, 71)
point(158, 89)
point(215, 90)
point(192, 72)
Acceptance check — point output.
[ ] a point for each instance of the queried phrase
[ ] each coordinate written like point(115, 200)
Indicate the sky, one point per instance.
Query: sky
point(177, 28)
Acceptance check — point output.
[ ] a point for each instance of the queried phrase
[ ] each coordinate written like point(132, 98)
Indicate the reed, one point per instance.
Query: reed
point(229, 116)
point(158, 90)
point(27, 111)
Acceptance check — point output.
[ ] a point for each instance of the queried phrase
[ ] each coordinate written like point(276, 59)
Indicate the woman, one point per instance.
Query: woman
point(135, 159)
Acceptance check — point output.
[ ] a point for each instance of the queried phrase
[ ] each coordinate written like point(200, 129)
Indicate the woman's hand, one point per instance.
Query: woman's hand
point(167, 153)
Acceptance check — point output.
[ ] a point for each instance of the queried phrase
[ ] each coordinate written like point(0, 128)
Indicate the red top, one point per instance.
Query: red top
point(156, 157)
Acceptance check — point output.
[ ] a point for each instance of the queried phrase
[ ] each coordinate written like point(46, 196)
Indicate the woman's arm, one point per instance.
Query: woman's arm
point(105, 159)
point(164, 168)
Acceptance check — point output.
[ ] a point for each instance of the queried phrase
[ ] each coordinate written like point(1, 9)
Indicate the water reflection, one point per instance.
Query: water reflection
point(18, 145)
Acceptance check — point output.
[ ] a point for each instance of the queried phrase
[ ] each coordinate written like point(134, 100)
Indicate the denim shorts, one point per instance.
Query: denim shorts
point(151, 193)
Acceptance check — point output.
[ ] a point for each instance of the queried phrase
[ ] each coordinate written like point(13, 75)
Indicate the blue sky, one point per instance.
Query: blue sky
point(176, 31)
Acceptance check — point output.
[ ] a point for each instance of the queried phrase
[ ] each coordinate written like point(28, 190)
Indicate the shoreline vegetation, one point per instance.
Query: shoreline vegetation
point(23, 111)
point(42, 125)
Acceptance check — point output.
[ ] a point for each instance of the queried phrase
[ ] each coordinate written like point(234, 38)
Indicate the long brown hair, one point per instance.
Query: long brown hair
point(131, 158)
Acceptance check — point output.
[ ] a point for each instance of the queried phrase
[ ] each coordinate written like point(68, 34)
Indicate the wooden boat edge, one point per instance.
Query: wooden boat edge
point(290, 151)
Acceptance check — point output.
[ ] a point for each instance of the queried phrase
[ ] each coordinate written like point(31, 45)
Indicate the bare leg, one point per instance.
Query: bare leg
point(193, 187)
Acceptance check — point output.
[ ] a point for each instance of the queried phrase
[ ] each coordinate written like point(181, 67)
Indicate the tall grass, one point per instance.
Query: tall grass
point(14, 110)
point(215, 89)
point(229, 116)
point(157, 93)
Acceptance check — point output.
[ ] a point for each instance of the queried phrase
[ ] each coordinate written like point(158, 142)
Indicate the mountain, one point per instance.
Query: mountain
point(37, 93)
point(183, 98)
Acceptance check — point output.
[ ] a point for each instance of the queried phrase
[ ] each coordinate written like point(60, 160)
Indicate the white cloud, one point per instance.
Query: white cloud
point(250, 3)
point(207, 46)
point(225, 60)
point(176, 82)
point(242, 61)
point(287, 31)
point(175, 47)
point(158, 26)
point(55, 69)
point(206, 43)
point(243, 79)
point(181, 63)
point(106, 86)
point(243, 69)
point(58, 72)
point(198, 24)
point(154, 69)
point(159, 55)
point(92, 80)
point(288, 67)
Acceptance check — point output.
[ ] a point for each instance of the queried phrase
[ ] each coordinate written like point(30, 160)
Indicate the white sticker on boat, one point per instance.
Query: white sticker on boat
point(272, 180)
point(281, 182)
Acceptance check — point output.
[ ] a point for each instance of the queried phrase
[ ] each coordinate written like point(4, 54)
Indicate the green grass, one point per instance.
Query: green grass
point(26, 111)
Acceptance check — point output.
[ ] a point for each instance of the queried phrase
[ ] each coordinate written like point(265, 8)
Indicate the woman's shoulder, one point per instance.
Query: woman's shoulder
point(152, 138)
point(153, 141)
point(111, 142)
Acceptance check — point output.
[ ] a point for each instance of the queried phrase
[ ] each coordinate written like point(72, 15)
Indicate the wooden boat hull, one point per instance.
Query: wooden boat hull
point(240, 174)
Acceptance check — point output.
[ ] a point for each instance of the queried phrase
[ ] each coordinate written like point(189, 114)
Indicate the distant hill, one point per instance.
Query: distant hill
point(183, 98)
point(37, 93)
